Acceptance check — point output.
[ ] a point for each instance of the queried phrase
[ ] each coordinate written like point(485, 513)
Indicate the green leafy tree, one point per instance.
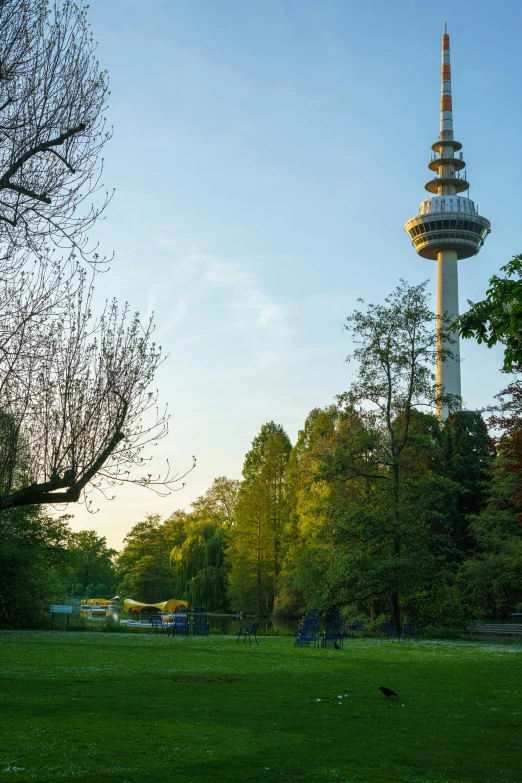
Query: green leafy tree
point(184, 556)
point(219, 501)
point(498, 317)
point(306, 544)
point(261, 514)
point(33, 566)
point(199, 556)
point(469, 452)
point(200, 564)
point(490, 578)
point(388, 535)
point(144, 562)
point(91, 560)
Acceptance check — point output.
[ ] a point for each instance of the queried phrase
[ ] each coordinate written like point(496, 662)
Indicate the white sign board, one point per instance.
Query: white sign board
point(61, 609)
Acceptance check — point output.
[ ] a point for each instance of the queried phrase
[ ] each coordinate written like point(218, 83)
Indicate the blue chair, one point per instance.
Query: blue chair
point(409, 629)
point(307, 633)
point(334, 629)
point(298, 630)
point(311, 614)
point(248, 631)
point(157, 623)
point(180, 623)
point(356, 627)
point(200, 626)
point(389, 630)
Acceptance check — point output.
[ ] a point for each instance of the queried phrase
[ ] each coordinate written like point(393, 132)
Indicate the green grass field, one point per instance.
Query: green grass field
point(124, 707)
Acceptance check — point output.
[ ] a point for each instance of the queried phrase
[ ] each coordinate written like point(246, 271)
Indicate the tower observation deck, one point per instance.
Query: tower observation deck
point(448, 226)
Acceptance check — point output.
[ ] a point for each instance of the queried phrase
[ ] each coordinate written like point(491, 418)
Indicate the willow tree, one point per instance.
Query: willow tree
point(199, 558)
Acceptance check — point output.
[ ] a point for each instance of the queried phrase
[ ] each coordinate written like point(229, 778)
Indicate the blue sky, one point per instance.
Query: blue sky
point(266, 156)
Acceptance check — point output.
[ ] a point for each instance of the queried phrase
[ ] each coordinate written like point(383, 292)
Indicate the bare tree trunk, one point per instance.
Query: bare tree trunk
point(259, 596)
point(395, 609)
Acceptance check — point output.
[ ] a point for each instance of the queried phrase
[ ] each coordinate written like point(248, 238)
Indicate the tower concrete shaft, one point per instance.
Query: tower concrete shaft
point(447, 228)
point(448, 370)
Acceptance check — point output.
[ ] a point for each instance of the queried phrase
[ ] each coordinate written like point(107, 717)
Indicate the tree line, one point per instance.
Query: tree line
point(377, 506)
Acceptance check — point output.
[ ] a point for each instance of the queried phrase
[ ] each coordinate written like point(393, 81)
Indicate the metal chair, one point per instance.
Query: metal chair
point(310, 614)
point(409, 629)
point(334, 629)
point(389, 630)
point(200, 626)
point(307, 633)
point(156, 623)
point(357, 626)
point(180, 624)
point(248, 631)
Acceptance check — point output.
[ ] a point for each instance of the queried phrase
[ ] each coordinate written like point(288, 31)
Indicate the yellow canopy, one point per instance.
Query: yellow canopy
point(165, 606)
point(100, 601)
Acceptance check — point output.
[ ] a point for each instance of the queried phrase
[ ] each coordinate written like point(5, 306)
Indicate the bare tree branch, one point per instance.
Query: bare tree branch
point(52, 94)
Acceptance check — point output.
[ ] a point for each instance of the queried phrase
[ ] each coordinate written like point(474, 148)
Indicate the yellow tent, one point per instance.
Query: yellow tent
point(166, 607)
point(98, 601)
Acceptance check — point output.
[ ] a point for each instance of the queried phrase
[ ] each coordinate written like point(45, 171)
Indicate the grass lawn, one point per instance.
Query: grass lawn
point(125, 707)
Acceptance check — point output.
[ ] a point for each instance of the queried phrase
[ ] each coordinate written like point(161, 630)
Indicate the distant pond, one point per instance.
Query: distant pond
point(229, 624)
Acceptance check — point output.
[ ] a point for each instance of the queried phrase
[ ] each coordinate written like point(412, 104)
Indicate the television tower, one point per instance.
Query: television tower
point(448, 227)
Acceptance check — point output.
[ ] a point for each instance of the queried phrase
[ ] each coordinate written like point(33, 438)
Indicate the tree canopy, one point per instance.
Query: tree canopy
point(498, 317)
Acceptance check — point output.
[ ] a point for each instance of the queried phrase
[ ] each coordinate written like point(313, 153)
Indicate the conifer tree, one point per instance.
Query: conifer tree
point(261, 514)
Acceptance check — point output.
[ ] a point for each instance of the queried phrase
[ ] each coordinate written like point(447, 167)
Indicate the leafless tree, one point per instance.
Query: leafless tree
point(52, 126)
point(76, 410)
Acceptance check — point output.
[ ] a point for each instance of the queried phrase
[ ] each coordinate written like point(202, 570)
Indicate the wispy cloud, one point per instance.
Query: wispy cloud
point(248, 296)
point(177, 315)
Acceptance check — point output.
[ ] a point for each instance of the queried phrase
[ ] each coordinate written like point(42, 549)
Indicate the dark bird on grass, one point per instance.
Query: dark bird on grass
point(336, 646)
point(387, 692)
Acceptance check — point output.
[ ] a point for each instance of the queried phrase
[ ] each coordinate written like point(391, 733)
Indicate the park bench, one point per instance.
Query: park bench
point(496, 629)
